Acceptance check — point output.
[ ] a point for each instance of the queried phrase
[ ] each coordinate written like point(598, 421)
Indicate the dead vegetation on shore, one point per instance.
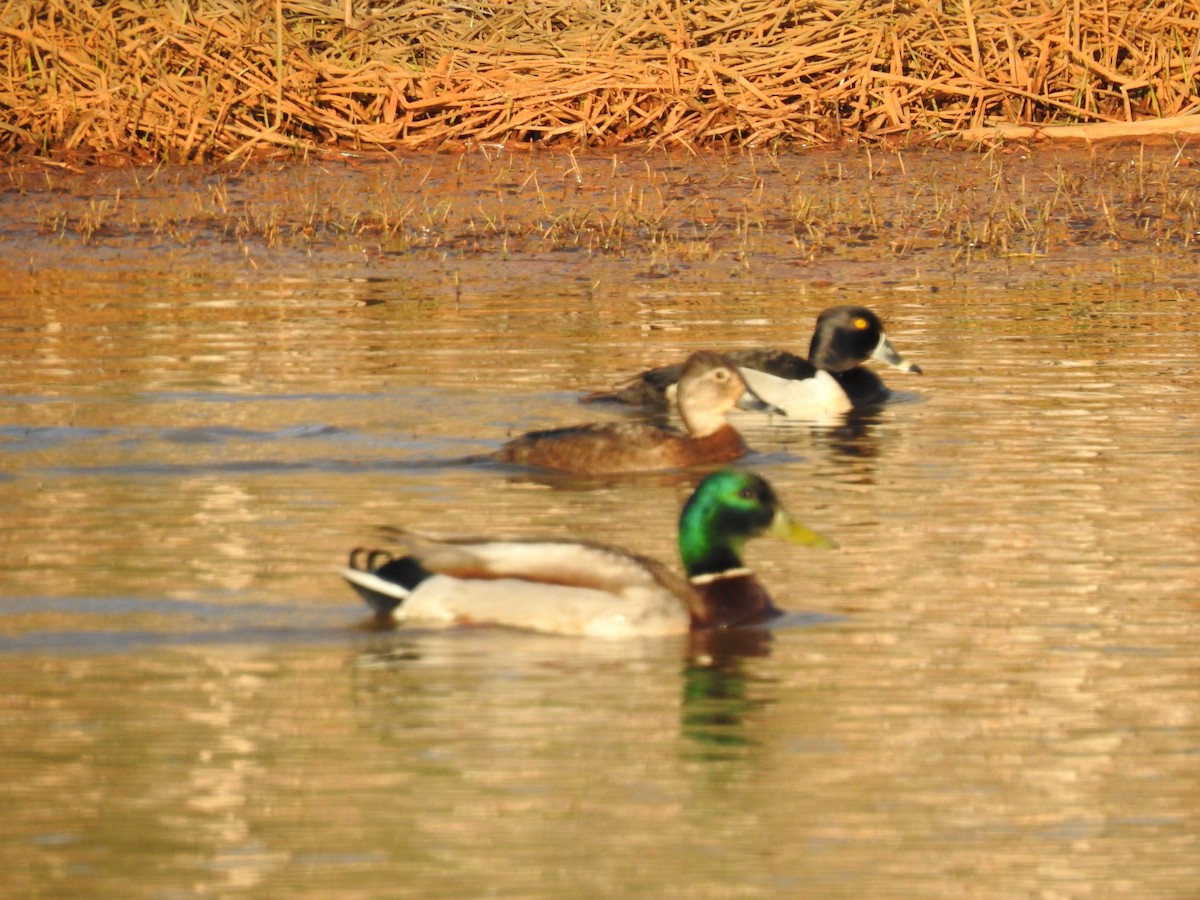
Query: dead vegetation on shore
point(215, 79)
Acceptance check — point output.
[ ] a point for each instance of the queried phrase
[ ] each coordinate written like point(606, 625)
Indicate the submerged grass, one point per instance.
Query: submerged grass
point(215, 78)
point(743, 207)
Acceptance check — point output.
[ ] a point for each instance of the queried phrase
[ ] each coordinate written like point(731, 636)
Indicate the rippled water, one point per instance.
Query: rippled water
point(995, 690)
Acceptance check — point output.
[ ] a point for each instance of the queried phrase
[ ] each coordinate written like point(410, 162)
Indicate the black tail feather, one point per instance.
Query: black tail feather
point(404, 571)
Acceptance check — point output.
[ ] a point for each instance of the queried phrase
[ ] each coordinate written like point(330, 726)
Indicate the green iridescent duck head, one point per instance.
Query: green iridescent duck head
point(729, 508)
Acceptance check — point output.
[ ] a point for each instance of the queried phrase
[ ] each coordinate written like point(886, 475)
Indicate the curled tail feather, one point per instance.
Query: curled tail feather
point(384, 581)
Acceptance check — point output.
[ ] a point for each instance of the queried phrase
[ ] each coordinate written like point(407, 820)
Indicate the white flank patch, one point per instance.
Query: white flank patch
point(803, 398)
point(551, 608)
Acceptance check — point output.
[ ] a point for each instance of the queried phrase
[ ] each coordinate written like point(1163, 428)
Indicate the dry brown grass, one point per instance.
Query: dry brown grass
point(216, 78)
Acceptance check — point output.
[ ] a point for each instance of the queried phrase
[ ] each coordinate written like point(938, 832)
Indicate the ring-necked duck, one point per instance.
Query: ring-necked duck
point(831, 380)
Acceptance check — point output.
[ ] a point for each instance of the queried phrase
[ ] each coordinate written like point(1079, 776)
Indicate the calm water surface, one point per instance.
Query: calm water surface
point(995, 690)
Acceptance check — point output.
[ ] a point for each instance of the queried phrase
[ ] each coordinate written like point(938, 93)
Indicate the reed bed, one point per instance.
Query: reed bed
point(216, 79)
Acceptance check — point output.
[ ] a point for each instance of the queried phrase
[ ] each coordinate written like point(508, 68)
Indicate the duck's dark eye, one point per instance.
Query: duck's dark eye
point(748, 493)
point(721, 374)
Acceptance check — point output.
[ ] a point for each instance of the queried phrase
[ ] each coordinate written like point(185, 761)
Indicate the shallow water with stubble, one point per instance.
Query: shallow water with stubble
point(994, 689)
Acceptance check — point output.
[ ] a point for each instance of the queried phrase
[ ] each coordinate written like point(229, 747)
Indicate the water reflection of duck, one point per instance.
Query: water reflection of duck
point(831, 380)
point(716, 699)
point(709, 387)
point(586, 588)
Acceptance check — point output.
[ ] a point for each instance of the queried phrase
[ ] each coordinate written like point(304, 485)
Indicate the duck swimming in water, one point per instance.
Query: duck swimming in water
point(831, 380)
point(709, 387)
point(587, 588)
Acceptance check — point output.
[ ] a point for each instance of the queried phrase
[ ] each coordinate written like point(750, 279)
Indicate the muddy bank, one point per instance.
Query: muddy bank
point(825, 217)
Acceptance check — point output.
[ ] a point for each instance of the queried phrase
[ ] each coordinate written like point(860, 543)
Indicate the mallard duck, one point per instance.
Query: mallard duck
point(709, 387)
point(831, 380)
point(587, 588)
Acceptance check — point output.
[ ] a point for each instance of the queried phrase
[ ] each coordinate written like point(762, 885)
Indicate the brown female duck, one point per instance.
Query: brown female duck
point(709, 387)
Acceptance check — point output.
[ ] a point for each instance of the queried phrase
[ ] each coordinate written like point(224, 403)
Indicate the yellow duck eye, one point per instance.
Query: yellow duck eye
point(861, 324)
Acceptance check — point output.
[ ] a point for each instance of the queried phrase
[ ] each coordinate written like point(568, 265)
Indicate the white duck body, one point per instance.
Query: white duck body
point(567, 588)
point(814, 397)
